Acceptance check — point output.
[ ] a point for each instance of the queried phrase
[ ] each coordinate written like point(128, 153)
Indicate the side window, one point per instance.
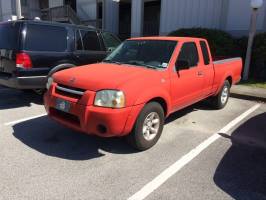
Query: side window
point(90, 40)
point(79, 45)
point(45, 38)
point(110, 41)
point(205, 52)
point(189, 53)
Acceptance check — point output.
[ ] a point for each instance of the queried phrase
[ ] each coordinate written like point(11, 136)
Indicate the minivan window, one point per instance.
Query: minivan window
point(79, 45)
point(90, 40)
point(45, 38)
point(110, 41)
point(9, 36)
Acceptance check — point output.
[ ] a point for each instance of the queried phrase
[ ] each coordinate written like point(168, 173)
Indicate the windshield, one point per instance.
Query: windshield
point(147, 53)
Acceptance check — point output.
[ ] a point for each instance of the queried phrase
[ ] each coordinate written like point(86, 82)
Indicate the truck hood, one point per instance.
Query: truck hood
point(100, 76)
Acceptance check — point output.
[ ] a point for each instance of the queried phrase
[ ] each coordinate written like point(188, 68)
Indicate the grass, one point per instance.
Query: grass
point(254, 83)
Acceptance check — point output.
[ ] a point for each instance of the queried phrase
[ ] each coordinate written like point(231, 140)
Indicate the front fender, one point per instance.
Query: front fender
point(152, 93)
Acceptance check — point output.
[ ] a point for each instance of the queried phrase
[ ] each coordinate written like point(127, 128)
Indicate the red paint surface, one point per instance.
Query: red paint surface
point(140, 85)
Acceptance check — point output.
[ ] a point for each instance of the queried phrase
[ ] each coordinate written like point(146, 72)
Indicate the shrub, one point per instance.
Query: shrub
point(221, 43)
point(258, 60)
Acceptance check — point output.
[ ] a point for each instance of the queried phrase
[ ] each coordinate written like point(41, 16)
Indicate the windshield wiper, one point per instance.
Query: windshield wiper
point(140, 64)
point(112, 61)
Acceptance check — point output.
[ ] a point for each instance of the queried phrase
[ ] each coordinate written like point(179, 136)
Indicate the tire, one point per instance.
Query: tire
point(221, 99)
point(150, 114)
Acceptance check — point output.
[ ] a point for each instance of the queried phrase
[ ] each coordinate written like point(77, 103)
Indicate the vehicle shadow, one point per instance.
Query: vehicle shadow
point(202, 105)
point(48, 137)
point(52, 139)
point(11, 98)
point(242, 171)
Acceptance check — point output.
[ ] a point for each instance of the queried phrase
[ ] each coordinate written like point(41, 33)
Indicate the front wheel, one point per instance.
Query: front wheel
point(221, 99)
point(148, 127)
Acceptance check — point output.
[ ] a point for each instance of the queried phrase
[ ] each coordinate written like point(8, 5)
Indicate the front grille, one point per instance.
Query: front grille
point(69, 91)
point(73, 119)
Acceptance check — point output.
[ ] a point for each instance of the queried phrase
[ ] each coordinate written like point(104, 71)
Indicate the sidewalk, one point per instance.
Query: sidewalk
point(249, 93)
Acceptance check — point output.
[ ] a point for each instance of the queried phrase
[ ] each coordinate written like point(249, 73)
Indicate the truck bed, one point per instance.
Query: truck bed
point(231, 67)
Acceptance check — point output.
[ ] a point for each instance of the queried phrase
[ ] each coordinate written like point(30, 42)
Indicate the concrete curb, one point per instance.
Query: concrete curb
point(248, 97)
point(248, 93)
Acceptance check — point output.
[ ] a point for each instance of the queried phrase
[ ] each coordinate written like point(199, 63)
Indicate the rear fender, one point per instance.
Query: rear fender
point(222, 82)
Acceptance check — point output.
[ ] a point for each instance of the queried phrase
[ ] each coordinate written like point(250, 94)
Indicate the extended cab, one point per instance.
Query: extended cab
point(137, 86)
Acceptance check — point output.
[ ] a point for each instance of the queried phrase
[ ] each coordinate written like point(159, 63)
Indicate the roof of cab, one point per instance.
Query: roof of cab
point(170, 38)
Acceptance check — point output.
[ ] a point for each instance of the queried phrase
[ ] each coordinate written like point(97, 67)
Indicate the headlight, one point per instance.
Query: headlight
point(49, 82)
point(110, 99)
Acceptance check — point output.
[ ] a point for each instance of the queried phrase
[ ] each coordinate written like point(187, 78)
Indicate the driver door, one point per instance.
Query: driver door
point(187, 84)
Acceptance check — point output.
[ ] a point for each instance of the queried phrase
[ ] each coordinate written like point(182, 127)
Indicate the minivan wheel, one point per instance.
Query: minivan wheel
point(148, 127)
point(221, 99)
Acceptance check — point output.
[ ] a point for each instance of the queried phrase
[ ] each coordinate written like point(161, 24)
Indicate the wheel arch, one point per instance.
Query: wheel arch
point(162, 102)
point(60, 67)
point(230, 79)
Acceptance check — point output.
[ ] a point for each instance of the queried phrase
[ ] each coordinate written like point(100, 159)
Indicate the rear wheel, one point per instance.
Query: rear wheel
point(148, 127)
point(221, 99)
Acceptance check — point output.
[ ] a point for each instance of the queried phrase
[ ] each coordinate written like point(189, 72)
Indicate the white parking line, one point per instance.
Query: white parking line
point(23, 120)
point(179, 164)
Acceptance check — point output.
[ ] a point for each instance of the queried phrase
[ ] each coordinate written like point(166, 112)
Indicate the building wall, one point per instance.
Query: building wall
point(7, 9)
point(55, 3)
point(111, 16)
point(1, 18)
point(238, 17)
point(31, 9)
point(189, 13)
point(86, 9)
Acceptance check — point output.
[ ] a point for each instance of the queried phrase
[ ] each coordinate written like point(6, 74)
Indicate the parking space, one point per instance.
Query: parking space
point(40, 159)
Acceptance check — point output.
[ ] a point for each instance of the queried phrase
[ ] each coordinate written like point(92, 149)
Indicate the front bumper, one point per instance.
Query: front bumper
point(104, 122)
point(28, 82)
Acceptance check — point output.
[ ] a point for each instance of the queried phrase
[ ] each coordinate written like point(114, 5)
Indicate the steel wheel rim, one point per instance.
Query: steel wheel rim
point(151, 126)
point(224, 95)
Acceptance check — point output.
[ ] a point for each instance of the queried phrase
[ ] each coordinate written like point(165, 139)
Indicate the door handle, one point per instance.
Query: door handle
point(200, 73)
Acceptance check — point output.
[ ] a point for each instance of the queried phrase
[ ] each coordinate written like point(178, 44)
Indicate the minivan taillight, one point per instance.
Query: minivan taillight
point(23, 61)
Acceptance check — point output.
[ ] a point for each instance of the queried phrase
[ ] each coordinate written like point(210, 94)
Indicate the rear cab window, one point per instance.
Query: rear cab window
point(205, 53)
point(45, 38)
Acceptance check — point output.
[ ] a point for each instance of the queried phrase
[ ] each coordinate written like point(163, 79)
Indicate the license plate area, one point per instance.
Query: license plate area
point(62, 105)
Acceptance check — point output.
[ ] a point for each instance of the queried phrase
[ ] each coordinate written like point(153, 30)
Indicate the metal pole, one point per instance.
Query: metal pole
point(252, 33)
point(18, 9)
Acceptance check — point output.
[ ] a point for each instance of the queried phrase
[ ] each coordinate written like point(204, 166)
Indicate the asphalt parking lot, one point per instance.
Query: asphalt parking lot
point(202, 154)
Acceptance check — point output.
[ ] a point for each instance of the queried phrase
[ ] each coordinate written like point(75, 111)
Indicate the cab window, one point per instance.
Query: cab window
point(189, 52)
point(205, 52)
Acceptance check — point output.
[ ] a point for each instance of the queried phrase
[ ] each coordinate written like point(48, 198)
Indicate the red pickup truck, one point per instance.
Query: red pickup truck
point(138, 85)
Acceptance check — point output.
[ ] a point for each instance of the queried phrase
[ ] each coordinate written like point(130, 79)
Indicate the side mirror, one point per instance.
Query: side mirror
point(182, 64)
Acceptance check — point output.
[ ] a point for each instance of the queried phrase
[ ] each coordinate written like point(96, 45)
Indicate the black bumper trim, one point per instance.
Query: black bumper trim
point(29, 82)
